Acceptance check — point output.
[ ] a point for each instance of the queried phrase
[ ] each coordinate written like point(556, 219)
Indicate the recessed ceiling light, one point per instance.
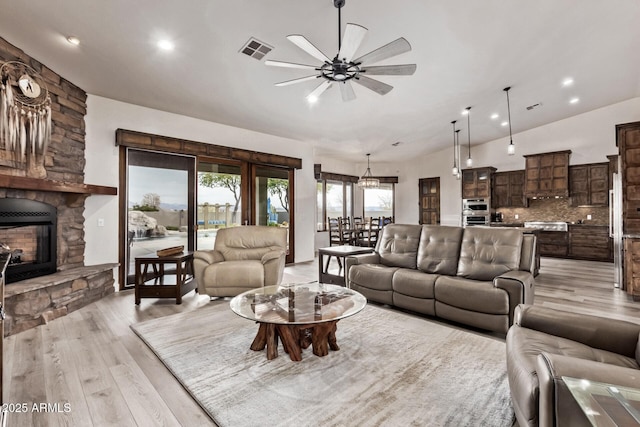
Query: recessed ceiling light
point(574, 100)
point(494, 116)
point(465, 112)
point(165, 45)
point(505, 123)
point(73, 40)
point(567, 82)
point(312, 99)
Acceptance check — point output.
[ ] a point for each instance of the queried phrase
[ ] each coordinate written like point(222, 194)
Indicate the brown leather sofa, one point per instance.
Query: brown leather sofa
point(474, 275)
point(544, 345)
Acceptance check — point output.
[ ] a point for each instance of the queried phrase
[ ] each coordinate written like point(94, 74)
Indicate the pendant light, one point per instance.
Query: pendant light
point(367, 180)
point(454, 169)
point(458, 152)
point(511, 149)
point(469, 161)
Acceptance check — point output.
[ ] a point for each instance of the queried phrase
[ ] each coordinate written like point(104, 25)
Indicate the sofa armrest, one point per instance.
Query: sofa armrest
point(519, 285)
point(372, 258)
point(271, 255)
point(612, 335)
point(557, 407)
point(209, 257)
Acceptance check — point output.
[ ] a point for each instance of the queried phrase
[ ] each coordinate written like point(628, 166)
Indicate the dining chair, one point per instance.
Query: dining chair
point(369, 235)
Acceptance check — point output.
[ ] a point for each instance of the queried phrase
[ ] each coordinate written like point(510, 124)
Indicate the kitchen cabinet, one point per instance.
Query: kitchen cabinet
point(476, 182)
point(591, 242)
point(547, 174)
point(589, 184)
point(632, 267)
point(628, 142)
point(508, 190)
point(554, 243)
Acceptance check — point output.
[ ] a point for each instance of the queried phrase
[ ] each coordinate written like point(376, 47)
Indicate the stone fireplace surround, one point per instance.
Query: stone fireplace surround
point(35, 301)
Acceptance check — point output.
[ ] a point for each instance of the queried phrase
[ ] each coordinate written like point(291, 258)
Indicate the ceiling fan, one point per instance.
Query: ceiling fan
point(343, 68)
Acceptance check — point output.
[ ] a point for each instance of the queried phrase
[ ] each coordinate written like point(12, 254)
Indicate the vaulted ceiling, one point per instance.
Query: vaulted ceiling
point(466, 53)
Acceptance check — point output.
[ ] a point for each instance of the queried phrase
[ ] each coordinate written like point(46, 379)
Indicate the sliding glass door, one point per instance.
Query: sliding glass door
point(160, 199)
point(273, 205)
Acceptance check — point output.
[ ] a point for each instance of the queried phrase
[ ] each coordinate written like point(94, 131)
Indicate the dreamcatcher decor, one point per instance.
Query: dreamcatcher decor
point(25, 117)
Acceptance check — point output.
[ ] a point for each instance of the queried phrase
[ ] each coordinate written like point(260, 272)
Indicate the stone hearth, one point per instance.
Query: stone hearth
point(36, 301)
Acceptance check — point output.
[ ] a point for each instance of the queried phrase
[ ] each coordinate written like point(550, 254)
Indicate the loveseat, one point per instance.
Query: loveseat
point(545, 344)
point(473, 275)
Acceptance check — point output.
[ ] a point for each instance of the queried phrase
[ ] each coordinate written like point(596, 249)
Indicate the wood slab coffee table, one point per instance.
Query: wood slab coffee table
point(299, 315)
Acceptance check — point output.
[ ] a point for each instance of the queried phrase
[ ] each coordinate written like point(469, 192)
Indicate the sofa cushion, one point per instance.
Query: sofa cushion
point(414, 283)
point(471, 295)
point(398, 245)
point(372, 276)
point(439, 249)
point(486, 253)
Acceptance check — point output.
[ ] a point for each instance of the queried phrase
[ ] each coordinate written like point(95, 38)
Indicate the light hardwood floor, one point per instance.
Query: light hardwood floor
point(93, 360)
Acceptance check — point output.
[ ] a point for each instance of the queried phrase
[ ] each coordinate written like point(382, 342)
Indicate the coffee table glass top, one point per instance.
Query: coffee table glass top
point(298, 303)
point(606, 404)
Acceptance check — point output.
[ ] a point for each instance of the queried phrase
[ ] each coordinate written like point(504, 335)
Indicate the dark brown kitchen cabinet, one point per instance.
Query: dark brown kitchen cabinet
point(508, 190)
point(554, 243)
point(632, 267)
point(476, 183)
point(547, 174)
point(628, 142)
point(590, 242)
point(589, 184)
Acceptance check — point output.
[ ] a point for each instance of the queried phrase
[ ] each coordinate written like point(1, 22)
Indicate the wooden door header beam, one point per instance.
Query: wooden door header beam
point(147, 141)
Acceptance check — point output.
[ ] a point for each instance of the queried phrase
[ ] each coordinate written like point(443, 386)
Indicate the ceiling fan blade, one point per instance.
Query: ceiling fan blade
point(346, 89)
point(294, 81)
point(353, 36)
point(289, 65)
point(389, 50)
point(313, 96)
point(390, 70)
point(374, 85)
point(307, 46)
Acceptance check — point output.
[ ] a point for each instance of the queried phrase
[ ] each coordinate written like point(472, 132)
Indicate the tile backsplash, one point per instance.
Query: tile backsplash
point(555, 210)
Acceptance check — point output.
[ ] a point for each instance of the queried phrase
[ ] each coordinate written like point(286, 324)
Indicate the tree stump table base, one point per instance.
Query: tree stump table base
point(295, 338)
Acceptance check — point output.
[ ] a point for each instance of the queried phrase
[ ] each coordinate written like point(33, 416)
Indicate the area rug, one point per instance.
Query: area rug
point(392, 369)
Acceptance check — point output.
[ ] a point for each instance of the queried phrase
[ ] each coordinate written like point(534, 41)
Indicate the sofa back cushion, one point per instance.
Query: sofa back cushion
point(398, 245)
point(486, 253)
point(439, 249)
point(249, 241)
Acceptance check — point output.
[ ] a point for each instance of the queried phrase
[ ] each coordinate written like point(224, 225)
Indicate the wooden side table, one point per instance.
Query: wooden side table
point(340, 252)
point(153, 284)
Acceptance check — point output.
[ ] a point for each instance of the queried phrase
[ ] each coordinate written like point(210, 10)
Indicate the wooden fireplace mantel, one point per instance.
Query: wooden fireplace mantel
point(36, 184)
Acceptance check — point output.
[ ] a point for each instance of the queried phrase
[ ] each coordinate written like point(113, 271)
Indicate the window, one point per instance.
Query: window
point(378, 202)
point(334, 199)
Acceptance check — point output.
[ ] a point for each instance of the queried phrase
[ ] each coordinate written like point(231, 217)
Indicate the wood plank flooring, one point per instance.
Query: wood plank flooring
point(92, 360)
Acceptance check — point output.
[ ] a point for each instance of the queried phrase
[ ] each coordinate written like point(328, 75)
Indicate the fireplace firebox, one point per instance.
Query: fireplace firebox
point(28, 231)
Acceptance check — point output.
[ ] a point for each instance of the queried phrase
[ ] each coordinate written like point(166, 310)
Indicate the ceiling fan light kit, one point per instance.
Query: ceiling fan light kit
point(343, 68)
point(367, 180)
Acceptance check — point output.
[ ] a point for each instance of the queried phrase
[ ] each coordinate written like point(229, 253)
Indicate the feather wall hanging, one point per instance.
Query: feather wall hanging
point(25, 116)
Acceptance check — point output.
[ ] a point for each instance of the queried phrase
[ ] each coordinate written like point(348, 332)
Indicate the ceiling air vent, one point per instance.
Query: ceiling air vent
point(256, 49)
point(531, 107)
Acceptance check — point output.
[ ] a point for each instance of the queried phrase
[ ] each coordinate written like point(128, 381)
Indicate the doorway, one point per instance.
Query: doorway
point(429, 200)
point(160, 199)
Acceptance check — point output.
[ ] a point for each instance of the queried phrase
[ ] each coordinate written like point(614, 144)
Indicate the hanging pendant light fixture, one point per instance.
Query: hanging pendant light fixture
point(511, 149)
point(454, 169)
point(367, 180)
point(458, 152)
point(469, 160)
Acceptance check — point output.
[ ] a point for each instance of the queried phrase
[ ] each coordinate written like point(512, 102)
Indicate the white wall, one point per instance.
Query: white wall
point(104, 116)
point(589, 136)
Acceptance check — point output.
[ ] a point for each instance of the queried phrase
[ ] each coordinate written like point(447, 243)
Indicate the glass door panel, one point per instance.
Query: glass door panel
point(219, 200)
point(272, 204)
point(160, 197)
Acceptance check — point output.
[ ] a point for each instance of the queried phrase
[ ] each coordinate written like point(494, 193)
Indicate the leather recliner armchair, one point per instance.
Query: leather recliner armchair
point(545, 345)
point(243, 258)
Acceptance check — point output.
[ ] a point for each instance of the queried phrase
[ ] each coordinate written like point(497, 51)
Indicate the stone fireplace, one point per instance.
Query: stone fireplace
point(56, 280)
point(28, 230)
